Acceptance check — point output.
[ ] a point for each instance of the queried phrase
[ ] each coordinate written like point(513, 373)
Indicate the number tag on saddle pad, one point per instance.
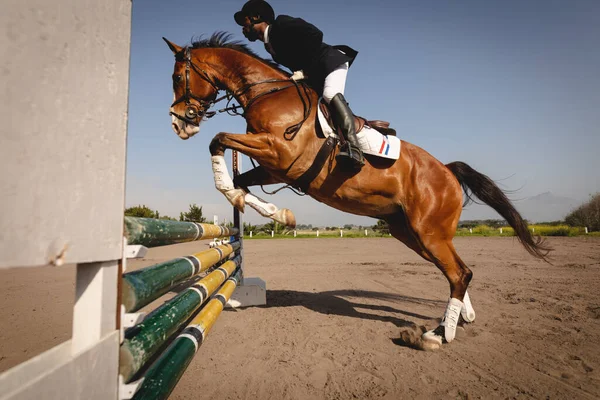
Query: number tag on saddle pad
point(371, 141)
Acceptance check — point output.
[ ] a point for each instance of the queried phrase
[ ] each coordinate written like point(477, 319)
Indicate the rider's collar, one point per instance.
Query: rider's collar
point(267, 34)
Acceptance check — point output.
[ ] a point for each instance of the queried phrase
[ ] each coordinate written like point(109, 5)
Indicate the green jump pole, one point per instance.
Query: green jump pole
point(163, 375)
point(151, 232)
point(157, 328)
point(146, 285)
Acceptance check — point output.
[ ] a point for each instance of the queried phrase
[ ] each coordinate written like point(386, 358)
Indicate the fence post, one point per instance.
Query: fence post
point(317, 233)
point(586, 230)
point(470, 230)
point(501, 231)
point(272, 233)
point(366, 233)
point(341, 233)
point(294, 233)
point(250, 233)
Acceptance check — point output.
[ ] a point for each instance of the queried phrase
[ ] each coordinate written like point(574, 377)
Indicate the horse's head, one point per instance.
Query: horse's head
point(193, 92)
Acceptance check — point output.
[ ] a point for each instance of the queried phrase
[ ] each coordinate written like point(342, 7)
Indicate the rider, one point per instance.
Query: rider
point(298, 45)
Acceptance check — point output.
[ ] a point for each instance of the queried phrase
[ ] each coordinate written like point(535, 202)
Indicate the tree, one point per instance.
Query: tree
point(272, 226)
point(193, 215)
point(141, 212)
point(248, 227)
point(587, 214)
point(381, 227)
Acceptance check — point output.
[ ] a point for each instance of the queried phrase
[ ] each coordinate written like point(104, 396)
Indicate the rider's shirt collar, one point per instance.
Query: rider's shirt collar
point(267, 34)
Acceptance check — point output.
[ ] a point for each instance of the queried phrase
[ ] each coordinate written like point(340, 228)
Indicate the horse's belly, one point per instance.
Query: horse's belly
point(370, 206)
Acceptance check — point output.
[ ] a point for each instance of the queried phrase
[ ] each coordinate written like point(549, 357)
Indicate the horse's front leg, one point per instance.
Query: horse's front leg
point(260, 176)
point(257, 146)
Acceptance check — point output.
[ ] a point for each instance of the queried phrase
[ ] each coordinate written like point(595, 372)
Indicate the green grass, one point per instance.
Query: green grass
point(481, 230)
point(542, 230)
point(313, 234)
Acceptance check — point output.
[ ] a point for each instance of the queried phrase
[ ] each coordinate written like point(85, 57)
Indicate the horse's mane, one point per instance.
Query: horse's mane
point(223, 40)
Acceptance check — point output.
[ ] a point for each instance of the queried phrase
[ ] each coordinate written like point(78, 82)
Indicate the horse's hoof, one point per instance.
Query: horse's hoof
point(431, 341)
point(285, 217)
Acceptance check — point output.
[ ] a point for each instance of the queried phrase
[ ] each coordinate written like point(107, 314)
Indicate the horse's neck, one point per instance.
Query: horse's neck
point(239, 71)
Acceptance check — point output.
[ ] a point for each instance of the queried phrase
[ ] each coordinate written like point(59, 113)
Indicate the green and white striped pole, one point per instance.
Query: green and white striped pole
point(152, 232)
point(143, 286)
point(163, 375)
point(157, 328)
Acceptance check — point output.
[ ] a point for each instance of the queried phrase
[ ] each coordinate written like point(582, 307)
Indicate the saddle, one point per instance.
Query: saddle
point(359, 122)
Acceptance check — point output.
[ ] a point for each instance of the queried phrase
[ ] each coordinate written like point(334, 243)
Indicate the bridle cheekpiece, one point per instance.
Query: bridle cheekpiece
point(193, 111)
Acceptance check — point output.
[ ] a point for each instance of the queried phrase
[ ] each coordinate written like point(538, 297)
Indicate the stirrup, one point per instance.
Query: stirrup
point(351, 155)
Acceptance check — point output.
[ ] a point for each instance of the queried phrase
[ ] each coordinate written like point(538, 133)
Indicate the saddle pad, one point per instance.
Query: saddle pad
point(370, 140)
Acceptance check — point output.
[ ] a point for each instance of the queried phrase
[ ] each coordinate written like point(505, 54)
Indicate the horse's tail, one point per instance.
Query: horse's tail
point(475, 183)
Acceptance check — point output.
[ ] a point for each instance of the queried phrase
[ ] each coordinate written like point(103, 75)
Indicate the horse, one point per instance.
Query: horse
point(420, 198)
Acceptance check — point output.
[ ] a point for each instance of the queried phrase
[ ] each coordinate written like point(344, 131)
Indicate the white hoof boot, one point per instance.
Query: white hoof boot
point(467, 311)
point(224, 183)
point(433, 339)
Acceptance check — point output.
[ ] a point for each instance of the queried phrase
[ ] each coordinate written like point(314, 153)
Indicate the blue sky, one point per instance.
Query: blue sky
point(510, 87)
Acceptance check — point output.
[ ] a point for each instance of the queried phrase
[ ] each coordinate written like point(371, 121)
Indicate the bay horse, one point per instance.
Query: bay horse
point(420, 198)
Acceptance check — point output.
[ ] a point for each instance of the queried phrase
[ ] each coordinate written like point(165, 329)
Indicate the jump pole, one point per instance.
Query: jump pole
point(250, 291)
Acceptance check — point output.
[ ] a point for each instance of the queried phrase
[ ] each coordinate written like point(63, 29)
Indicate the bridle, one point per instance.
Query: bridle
point(196, 112)
point(192, 110)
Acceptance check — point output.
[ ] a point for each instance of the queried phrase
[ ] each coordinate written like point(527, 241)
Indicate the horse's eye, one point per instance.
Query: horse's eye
point(176, 78)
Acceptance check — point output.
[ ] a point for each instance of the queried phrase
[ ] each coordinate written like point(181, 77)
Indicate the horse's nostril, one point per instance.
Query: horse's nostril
point(175, 127)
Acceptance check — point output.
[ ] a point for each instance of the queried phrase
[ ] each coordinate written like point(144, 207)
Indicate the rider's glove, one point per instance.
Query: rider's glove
point(297, 76)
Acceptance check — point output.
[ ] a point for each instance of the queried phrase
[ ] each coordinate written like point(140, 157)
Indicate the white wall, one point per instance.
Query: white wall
point(63, 92)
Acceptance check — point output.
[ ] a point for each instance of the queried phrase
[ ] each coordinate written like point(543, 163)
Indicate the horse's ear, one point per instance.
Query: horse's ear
point(174, 48)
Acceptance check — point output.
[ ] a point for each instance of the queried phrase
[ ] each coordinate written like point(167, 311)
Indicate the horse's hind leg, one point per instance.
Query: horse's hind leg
point(430, 236)
point(399, 229)
point(443, 254)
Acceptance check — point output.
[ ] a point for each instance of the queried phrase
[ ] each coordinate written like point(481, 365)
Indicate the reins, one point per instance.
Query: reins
point(193, 112)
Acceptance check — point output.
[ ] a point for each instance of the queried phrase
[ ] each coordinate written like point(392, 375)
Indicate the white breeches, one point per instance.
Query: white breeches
point(335, 82)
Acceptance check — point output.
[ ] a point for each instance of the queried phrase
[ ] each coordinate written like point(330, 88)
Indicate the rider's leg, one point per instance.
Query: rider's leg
point(333, 93)
point(335, 82)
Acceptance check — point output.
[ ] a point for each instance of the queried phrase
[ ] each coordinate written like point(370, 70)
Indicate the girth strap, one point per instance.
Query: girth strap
point(304, 181)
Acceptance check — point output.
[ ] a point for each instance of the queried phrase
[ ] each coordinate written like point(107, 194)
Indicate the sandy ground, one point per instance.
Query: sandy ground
point(336, 310)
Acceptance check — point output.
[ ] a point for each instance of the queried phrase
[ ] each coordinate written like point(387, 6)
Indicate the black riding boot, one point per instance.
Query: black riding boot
point(350, 153)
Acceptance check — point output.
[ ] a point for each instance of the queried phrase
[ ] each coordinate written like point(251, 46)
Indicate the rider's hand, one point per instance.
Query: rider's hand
point(297, 76)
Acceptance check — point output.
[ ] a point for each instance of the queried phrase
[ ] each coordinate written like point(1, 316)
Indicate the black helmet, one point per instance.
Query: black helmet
point(255, 8)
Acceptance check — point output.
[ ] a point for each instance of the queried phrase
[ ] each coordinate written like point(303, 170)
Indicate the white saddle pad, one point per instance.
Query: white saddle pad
point(370, 140)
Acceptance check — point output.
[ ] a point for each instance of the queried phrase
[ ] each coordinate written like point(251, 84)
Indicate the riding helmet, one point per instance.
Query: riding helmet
point(255, 8)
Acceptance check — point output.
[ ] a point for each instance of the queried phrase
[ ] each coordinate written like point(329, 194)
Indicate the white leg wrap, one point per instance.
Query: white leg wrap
point(467, 311)
point(224, 183)
point(263, 208)
point(450, 321)
point(270, 210)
